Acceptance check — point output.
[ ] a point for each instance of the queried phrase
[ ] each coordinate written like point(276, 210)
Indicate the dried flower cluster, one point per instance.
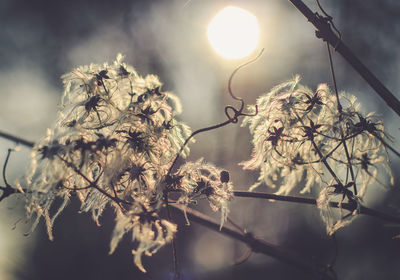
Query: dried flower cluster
point(117, 138)
point(300, 137)
point(113, 145)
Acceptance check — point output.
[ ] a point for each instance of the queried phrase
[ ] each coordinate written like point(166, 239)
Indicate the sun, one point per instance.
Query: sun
point(233, 32)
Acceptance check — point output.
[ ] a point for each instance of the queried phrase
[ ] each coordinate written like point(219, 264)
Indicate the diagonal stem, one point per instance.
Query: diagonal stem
point(339, 108)
point(257, 245)
point(325, 32)
point(311, 201)
point(231, 119)
point(363, 210)
point(17, 140)
point(177, 275)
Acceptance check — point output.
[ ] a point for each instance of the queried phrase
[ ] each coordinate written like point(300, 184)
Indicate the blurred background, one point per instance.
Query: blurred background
point(42, 39)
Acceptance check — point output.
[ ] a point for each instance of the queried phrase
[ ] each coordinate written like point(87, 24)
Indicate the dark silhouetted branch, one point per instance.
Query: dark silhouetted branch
point(17, 139)
point(8, 189)
point(259, 246)
point(325, 32)
point(348, 206)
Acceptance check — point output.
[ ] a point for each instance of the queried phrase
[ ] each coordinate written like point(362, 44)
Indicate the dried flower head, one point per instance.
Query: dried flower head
point(203, 180)
point(114, 141)
point(300, 136)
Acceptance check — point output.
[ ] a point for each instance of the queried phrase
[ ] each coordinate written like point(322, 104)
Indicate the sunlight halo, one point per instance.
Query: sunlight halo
point(233, 32)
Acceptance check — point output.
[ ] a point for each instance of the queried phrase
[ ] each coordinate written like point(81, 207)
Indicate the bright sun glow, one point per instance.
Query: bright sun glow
point(233, 32)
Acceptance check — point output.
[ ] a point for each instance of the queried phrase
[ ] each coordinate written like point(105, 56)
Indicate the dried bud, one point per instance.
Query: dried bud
point(224, 176)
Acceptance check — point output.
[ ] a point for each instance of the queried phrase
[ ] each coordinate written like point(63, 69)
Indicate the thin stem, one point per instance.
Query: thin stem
point(231, 119)
point(311, 201)
point(8, 189)
point(321, 156)
point(325, 162)
point(257, 245)
point(325, 32)
point(233, 74)
point(243, 258)
point(195, 133)
point(326, 156)
point(363, 210)
point(93, 184)
point(385, 143)
point(235, 225)
point(17, 140)
point(339, 108)
point(177, 275)
point(5, 168)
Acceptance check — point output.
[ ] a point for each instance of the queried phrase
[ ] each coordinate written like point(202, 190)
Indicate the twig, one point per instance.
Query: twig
point(5, 168)
point(348, 206)
point(325, 32)
point(17, 140)
point(385, 144)
point(235, 225)
point(231, 119)
point(339, 108)
point(93, 184)
point(177, 275)
point(257, 245)
point(322, 158)
point(363, 210)
point(243, 258)
point(8, 189)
